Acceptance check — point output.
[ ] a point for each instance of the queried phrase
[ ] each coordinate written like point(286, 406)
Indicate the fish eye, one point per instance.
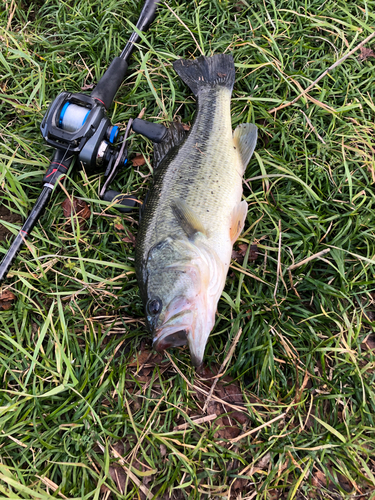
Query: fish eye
point(154, 306)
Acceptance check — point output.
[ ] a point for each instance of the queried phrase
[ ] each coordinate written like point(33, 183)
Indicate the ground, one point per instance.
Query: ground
point(87, 409)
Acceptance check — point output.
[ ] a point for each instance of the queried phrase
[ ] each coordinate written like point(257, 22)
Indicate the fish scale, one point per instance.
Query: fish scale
point(194, 213)
point(204, 165)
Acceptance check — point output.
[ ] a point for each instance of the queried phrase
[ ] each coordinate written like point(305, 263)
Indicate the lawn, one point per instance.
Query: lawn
point(87, 409)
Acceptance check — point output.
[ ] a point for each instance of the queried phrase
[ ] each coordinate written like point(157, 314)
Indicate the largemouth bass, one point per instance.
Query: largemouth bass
point(194, 212)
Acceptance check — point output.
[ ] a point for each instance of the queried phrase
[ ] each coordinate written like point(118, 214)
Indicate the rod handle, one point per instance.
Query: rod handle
point(110, 82)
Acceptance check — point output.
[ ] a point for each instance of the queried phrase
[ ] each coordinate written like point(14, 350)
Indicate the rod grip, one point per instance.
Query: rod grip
point(110, 82)
point(11, 255)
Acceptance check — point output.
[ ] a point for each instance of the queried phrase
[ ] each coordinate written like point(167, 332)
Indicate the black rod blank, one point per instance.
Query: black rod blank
point(20, 239)
point(110, 82)
point(56, 171)
point(146, 17)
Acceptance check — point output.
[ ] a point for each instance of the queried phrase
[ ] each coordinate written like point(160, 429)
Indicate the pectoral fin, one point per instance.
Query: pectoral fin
point(238, 220)
point(187, 219)
point(245, 139)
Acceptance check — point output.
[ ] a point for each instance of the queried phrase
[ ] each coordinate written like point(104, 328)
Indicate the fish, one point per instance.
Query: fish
point(194, 211)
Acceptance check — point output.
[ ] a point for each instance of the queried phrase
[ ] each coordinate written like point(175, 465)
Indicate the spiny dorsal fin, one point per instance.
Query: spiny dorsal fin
point(237, 220)
point(187, 219)
point(143, 206)
point(245, 139)
point(174, 137)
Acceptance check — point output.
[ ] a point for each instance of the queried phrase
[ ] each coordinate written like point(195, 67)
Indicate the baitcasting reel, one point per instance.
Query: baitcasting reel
point(77, 127)
point(78, 123)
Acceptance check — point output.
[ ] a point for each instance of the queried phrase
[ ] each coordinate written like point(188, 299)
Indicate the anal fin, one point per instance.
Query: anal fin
point(238, 220)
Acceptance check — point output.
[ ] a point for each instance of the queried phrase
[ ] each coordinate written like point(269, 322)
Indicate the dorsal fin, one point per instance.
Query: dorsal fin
point(187, 219)
point(174, 137)
point(143, 206)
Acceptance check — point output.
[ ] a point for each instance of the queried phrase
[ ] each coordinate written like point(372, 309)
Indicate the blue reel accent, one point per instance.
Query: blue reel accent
point(87, 114)
point(65, 107)
point(114, 134)
point(126, 161)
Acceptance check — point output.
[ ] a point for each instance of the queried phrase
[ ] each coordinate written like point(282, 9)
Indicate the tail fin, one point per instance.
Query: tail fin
point(214, 71)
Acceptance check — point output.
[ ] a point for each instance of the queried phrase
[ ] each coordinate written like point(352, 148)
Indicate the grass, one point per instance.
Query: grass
point(73, 400)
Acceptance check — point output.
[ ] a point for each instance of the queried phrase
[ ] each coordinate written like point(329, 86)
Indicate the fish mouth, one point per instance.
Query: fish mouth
point(185, 322)
point(171, 339)
point(182, 330)
point(175, 326)
point(178, 338)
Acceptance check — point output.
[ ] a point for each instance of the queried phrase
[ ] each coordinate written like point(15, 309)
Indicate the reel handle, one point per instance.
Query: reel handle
point(123, 203)
point(154, 131)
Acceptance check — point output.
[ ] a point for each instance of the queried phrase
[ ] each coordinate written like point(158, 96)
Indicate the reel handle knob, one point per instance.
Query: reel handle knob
point(123, 203)
point(154, 131)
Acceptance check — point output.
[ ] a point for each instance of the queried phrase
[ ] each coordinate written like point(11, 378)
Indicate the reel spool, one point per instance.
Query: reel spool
point(73, 117)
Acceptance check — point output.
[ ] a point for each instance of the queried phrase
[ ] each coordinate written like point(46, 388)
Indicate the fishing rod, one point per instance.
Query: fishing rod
point(77, 126)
